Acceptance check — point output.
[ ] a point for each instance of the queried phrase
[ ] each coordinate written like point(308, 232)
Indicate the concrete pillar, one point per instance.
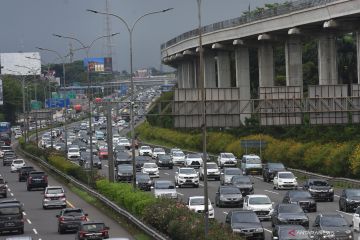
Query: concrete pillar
point(358, 55)
point(223, 66)
point(242, 69)
point(180, 79)
point(327, 62)
point(209, 69)
point(266, 65)
point(293, 61)
point(196, 73)
point(185, 74)
point(191, 73)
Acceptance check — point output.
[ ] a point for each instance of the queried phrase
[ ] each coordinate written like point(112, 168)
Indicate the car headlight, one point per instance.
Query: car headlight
point(259, 230)
point(347, 231)
point(222, 197)
point(280, 180)
point(331, 190)
point(282, 219)
point(237, 230)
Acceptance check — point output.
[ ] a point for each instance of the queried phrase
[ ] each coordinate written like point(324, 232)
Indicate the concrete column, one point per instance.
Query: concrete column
point(242, 68)
point(209, 69)
point(185, 74)
point(191, 73)
point(180, 76)
point(327, 62)
point(293, 59)
point(266, 65)
point(196, 73)
point(358, 55)
point(223, 66)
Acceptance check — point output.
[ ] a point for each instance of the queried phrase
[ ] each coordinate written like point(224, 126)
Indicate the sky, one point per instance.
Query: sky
point(27, 24)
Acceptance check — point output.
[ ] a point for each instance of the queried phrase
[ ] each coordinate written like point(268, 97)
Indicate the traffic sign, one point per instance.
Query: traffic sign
point(253, 143)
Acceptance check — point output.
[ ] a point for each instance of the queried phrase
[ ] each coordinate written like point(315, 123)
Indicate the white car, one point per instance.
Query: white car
point(356, 219)
point(178, 158)
point(4, 149)
point(73, 153)
point(17, 164)
point(260, 204)
point(194, 160)
point(285, 180)
point(157, 151)
point(164, 188)
point(227, 160)
point(124, 142)
point(213, 171)
point(197, 204)
point(150, 168)
point(145, 151)
point(18, 134)
point(186, 176)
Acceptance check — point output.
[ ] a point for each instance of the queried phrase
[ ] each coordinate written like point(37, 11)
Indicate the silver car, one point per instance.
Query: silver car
point(54, 196)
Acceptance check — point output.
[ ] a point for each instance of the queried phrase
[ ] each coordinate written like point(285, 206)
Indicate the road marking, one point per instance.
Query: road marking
point(24, 213)
point(106, 165)
point(267, 230)
point(344, 212)
point(28, 220)
point(35, 231)
point(180, 194)
point(271, 191)
point(166, 173)
point(11, 194)
point(200, 184)
point(260, 178)
point(336, 195)
point(225, 213)
point(70, 204)
point(9, 189)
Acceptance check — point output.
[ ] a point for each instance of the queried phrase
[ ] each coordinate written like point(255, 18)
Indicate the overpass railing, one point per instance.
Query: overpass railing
point(251, 16)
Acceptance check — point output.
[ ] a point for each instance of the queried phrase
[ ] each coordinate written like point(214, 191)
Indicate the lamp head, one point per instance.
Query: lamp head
point(57, 35)
point(168, 9)
point(93, 11)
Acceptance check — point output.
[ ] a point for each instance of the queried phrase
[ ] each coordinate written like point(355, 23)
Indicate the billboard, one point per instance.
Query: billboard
point(1, 93)
point(98, 65)
point(57, 102)
point(21, 64)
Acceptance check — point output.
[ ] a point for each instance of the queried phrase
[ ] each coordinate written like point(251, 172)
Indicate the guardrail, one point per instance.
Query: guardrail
point(338, 181)
point(149, 230)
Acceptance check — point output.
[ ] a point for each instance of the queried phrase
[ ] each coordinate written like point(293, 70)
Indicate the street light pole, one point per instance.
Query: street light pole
point(132, 99)
point(87, 50)
point(64, 83)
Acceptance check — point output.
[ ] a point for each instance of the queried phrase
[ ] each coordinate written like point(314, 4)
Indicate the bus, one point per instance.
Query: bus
point(5, 132)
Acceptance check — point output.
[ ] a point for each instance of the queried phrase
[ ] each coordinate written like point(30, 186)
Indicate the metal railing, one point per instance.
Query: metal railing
point(252, 16)
point(147, 229)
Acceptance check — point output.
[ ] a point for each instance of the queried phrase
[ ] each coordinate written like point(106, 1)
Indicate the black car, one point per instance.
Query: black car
point(69, 219)
point(123, 158)
point(143, 181)
point(24, 172)
point(245, 223)
point(349, 200)
point(92, 231)
point(36, 179)
point(319, 189)
point(301, 197)
point(228, 196)
point(332, 226)
point(289, 213)
point(288, 232)
point(8, 157)
point(11, 217)
point(124, 173)
point(3, 187)
point(164, 160)
point(85, 160)
point(243, 183)
point(270, 169)
point(140, 160)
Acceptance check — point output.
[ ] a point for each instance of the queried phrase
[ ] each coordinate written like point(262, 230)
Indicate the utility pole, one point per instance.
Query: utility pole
point(110, 143)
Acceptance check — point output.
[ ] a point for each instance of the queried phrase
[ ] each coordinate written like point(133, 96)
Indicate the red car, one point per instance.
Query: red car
point(103, 153)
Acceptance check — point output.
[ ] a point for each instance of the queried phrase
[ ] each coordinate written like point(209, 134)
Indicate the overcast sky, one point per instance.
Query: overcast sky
point(27, 24)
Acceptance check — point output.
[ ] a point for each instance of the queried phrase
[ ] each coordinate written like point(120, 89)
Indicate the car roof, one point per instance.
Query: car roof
point(257, 195)
point(92, 222)
point(335, 215)
point(10, 204)
point(54, 187)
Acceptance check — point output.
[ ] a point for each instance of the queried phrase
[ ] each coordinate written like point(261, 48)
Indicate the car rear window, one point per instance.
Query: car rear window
point(76, 212)
point(9, 210)
point(35, 174)
point(55, 190)
point(93, 227)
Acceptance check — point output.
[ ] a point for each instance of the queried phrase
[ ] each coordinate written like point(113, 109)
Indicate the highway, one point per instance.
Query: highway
point(42, 224)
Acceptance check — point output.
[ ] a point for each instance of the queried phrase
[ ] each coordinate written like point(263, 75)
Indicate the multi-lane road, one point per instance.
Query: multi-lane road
point(42, 224)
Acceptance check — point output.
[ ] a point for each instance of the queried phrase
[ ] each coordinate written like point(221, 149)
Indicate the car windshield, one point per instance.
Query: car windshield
point(253, 160)
point(74, 213)
point(230, 190)
point(319, 183)
point(232, 172)
point(241, 180)
point(143, 177)
point(197, 201)
point(353, 192)
point(164, 157)
point(178, 154)
point(54, 190)
point(18, 161)
point(123, 141)
point(73, 150)
point(333, 221)
point(276, 166)
point(259, 200)
point(187, 170)
point(164, 185)
point(145, 148)
point(125, 168)
point(290, 208)
point(227, 155)
point(194, 156)
point(244, 217)
point(10, 210)
point(96, 227)
point(158, 150)
point(299, 194)
point(212, 166)
point(286, 175)
point(150, 165)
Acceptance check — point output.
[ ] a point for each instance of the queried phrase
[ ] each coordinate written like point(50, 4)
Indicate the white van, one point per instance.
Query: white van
point(251, 164)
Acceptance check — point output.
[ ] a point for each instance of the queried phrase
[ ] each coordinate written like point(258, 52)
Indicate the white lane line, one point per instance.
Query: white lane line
point(200, 184)
point(267, 230)
point(9, 189)
point(35, 231)
point(11, 194)
point(28, 220)
point(344, 212)
point(336, 195)
point(271, 192)
point(166, 173)
point(260, 178)
point(180, 194)
point(225, 213)
point(24, 213)
point(106, 165)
